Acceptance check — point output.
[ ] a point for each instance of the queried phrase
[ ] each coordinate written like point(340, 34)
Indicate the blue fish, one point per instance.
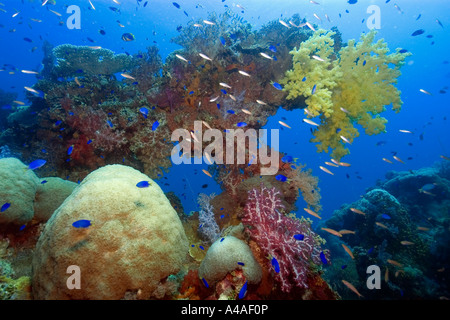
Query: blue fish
point(418, 32)
point(57, 123)
point(155, 125)
point(176, 5)
point(205, 283)
point(223, 91)
point(385, 216)
point(36, 164)
point(273, 48)
point(89, 141)
point(364, 62)
point(43, 181)
point(22, 227)
point(313, 89)
point(299, 237)
point(143, 184)
point(241, 263)
point(82, 223)
point(343, 266)
point(70, 150)
point(277, 86)
point(144, 112)
point(281, 178)
point(5, 207)
point(222, 216)
point(275, 264)
point(370, 250)
point(241, 124)
point(222, 239)
point(191, 93)
point(222, 40)
point(201, 247)
point(243, 291)
point(304, 79)
point(323, 258)
point(352, 1)
point(110, 123)
point(230, 111)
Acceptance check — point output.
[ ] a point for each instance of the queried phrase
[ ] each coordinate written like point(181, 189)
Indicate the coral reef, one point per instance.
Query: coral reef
point(135, 239)
point(352, 85)
point(402, 230)
point(208, 228)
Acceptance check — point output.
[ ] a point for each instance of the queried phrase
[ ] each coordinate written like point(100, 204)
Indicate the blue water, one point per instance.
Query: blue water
point(428, 68)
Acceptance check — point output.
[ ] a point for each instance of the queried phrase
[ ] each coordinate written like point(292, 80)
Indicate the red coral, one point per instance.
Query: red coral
point(274, 232)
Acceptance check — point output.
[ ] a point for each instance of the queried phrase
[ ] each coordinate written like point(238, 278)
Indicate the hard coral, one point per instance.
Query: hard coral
point(350, 86)
point(274, 232)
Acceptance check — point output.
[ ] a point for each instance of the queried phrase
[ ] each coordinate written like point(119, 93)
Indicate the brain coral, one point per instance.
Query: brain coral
point(135, 239)
point(18, 187)
point(223, 257)
point(51, 193)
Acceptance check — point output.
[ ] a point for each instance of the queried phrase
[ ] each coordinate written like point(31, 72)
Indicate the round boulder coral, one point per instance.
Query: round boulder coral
point(18, 187)
point(134, 239)
point(50, 194)
point(224, 256)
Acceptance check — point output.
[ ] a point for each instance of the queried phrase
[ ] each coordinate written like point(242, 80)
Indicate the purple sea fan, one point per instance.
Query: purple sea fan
point(274, 233)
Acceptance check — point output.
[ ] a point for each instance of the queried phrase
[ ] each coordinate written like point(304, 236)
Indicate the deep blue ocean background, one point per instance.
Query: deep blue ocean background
point(427, 116)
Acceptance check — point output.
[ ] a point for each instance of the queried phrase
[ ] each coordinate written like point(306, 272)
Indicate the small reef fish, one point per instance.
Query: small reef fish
point(444, 157)
point(284, 124)
point(244, 73)
point(241, 124)
point(425, 91)
point(347, 249)
point(309, 25)
point(70, 150)
point(314, 89)
point(345, 140)
point(317, 58)
point(381, 225)
point(31, 90)
point(181, 58)
point(277, 86)
point(406, 243)
point(225, 85)
point(345, 231)
point(345, 164)
point(203, 279)
point(344, 110)
point(77, 81)
point(398, 159)
point(357, 211)
point(36, 164)
point(386, 275)
point(351, 287)
point(299, 237)
point(418, 32)
point(128, 37)
point(394, 263)
point(207, 173)
point(155, 125)
point(275, 264)
point(29, 72)
point(385, 216)
point(331, 164)
point(323, 258)
point(206, 125)
point(91, 4)
point(326, 170)
point(204, 56)
point(5, 207)
point(423, 228)
point(281, 178)
point(127, 76)
point(387, 160)
point(405, 131)
point(263, 103)
point(265, 55)
point(144, 112)
point(440, 23)
point(317, 17)
point(284, 24)
point(214, 99)
point(312, 213)
point(81, 224)
point(176, 5)
point(15, 14)
point(243, 291)
point(143, 184)
point(333, 232)
point(208, 22)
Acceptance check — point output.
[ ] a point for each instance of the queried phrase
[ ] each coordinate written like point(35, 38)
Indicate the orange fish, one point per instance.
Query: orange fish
point(386, 275)
point(312, 213)
point(351, 287)
point(398, 159)
point(387, 160)
point(381, 225)
point(344, 164)
point(331, 164)
point(344, 231)
point(445, 158)
point(394, 263)
point(423, 228)
point(207, 173)
point(347, 249)
point(333, 232)
point(406, 243)
point(357, 211)
point(398, 272)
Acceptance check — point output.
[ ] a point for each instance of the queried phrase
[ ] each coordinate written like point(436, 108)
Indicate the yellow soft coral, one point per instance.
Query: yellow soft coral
point(344, 88)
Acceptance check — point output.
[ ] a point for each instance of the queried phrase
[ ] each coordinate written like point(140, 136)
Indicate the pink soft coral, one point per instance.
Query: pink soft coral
point(274, 232)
